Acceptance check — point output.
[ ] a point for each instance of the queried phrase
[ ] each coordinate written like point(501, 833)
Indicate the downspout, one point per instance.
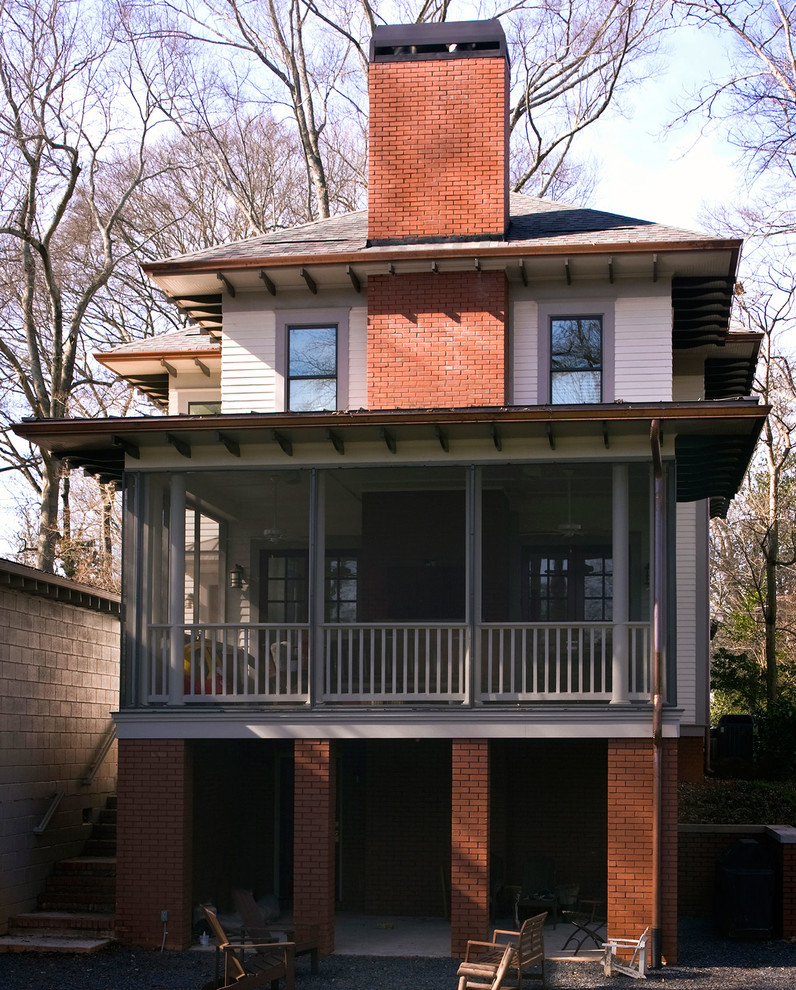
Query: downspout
point(657, 692)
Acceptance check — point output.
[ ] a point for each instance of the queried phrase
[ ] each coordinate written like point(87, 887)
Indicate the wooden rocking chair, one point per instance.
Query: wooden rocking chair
point(626, 955)
point(266, 962)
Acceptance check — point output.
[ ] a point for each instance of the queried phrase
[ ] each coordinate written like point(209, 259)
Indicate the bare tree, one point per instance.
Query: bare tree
point(235, 54)
point(67, 110)
point(571, 60)
point(759, 86)
point(756, 97)
point(754, 553)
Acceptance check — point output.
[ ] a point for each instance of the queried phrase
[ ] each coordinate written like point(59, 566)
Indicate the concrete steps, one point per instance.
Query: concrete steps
point(76, 908)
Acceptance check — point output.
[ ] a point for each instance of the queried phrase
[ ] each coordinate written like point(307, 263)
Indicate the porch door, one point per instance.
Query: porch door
point(573, 584)
point(284, 590)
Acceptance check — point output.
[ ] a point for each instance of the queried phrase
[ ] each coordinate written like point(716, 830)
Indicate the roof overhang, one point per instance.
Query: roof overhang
point(150, 371)
point(713, 441)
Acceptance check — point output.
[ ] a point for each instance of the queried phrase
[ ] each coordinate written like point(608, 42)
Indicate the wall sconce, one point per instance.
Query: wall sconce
point(237, 577)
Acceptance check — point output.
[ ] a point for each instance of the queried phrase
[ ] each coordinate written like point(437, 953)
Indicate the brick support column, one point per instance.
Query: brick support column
point(630, 781)
point(313, 838)
point(691, 759)
point(469, 843)
point(154, 842)
point(782, 841)
point(789, 890)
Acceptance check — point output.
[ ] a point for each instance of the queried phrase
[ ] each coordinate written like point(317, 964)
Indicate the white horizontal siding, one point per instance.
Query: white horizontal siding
point(358, 358)
point(525, 357)
point(249, 382)
point(689, 608)
point(643, 346)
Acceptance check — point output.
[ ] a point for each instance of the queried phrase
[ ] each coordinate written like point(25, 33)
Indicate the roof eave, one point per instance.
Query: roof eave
point(464, 250)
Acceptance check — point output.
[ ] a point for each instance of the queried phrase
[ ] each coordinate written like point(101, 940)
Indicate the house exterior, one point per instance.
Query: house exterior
point(416, 559)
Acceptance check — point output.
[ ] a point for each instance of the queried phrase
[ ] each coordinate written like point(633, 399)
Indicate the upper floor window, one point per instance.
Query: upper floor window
point(204, 408)
point(576, 359)
point(311, 368)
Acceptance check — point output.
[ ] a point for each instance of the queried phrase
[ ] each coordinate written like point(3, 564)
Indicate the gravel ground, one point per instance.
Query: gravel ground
point(706, 963)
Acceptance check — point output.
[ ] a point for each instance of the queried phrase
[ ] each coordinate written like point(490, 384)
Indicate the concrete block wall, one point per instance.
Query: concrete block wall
point(437, 340)
point(59, 683)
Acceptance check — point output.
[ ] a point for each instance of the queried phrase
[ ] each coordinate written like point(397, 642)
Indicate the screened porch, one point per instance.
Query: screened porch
point(415, 585)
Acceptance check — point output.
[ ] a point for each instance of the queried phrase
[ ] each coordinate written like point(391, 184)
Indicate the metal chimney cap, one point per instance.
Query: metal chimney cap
point(449, 39)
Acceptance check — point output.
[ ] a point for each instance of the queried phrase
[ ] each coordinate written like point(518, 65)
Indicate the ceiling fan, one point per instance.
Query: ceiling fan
point(568, 529)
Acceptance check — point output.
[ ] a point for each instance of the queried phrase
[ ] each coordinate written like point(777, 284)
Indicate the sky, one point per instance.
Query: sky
point(669, 176)
point(644, 172)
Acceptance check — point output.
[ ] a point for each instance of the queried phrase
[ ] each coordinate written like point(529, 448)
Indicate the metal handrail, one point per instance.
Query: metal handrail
point(54, 802)
point(101, 753)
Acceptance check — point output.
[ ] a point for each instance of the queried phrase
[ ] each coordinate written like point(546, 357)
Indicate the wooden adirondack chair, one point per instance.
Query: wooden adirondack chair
point(251, 964)
point(486, 961)
point(626, 955)
point(259, 929)
point(479, 973)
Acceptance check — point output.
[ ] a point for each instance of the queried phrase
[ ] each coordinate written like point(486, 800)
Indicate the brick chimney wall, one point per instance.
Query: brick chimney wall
point(438, 171)
point(437, 340)
point(438, 154)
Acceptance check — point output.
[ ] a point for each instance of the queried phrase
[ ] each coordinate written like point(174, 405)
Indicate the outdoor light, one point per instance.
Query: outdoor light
point(237, 577)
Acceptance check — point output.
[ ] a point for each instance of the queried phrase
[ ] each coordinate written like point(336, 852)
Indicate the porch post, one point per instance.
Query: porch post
point(474, 589)
point(621, 545)
point(177, 588)
point(317, 570)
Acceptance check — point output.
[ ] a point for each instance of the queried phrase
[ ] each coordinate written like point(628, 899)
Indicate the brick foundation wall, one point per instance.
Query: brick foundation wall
point(59, 682)
point(691, 758)
point(470, 801)
point(313, 838)
point(630, 815)
point(407, 843)
point(549, 800)
point(701, 849)
point(437, 340)
point(438, 150)
point(155, 822)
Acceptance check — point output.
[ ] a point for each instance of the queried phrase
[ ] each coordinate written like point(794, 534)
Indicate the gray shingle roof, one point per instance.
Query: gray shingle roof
point(533, 221)
point(187, 340)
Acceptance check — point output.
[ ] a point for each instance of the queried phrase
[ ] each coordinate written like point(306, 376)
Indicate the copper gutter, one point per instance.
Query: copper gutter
point(210, 353)
point(657, 692)
point(714, 411)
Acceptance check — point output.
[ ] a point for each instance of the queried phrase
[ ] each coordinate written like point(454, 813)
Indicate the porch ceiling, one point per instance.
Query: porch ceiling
point(713, 440)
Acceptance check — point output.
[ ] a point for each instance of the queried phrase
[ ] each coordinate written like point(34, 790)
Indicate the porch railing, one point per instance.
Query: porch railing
point(395, 663)
point(550, 662)
point(230, 661)
point(373, 663)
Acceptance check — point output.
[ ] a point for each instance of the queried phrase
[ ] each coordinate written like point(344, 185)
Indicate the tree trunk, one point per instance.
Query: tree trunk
point(48, 523)
point(771, 551)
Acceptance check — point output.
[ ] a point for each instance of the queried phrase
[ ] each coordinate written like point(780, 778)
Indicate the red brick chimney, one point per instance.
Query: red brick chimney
point(438, 157)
